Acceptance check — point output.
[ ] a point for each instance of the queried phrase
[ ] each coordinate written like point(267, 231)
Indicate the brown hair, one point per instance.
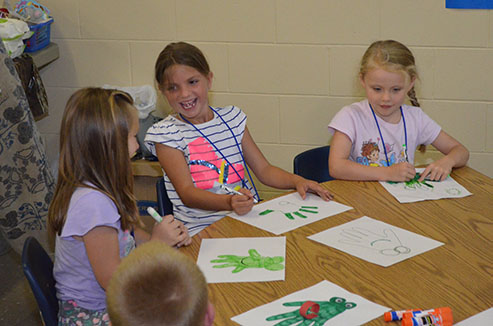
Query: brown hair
point(180, 53)
point(157, 285)
point(94, 153)
point(392, 56)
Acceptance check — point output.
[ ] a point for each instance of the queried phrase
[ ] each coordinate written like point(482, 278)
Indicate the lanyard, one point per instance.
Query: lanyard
point(381, 136)
point(219, 151)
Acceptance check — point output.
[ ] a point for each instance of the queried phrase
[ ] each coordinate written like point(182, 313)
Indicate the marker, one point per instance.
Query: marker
point(155, 215)
point(231, 190)
point(405, 152)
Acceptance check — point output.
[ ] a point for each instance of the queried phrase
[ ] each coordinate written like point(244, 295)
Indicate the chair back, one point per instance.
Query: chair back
point(38, 269)
point(164, 204)
point(313, 164)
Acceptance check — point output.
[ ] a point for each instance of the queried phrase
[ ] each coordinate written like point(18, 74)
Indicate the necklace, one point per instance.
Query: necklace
point(224, 157)
point(381, 136)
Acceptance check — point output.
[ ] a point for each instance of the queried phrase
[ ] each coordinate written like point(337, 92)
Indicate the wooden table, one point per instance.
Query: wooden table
point(458, 274)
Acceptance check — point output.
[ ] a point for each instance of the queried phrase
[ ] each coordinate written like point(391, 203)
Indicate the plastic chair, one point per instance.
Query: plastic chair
point(313, 164)
point(38, 269)
point(164, 204)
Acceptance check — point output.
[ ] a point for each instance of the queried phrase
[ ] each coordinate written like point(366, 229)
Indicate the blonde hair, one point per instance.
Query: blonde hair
point(391, 56)
point(94, 153)
point(157, 285)
point(395, 57)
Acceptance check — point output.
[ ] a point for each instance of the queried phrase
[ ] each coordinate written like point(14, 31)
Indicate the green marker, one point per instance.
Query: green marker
point(155, 215)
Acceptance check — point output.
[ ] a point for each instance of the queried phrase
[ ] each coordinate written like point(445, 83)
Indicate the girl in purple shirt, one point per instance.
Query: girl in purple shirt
point(94, 211)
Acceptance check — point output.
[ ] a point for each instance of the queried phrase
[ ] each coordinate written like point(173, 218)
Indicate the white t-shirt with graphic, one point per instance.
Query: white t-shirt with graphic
point(357, 122)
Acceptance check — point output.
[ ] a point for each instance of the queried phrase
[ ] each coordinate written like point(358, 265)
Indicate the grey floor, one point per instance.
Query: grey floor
point(17, 304)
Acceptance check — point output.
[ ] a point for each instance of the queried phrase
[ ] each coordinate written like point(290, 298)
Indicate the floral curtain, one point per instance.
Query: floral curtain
point(26, 182)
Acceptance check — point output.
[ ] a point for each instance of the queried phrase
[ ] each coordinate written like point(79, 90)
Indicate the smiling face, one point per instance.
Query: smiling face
point(186, 90)
point(386, 92)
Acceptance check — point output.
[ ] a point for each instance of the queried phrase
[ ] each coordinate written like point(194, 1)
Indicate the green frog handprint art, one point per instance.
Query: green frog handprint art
point(253, 260)
point(325, 311)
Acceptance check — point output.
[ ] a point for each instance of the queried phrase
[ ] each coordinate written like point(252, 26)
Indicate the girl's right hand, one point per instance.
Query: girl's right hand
point(242, 204)
point(399, 172)
point(171, 232)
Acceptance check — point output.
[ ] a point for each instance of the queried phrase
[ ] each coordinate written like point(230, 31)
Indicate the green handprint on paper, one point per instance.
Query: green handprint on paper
point(254, 260)
point(328, 310)
point(414, 183)
point(292, 210)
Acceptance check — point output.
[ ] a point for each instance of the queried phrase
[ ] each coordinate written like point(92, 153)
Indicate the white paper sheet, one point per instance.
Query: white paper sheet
point(413, 192)
point(289, 212)
point(375, 241)
point(484, 318)
point(338, 305)
point(243, 259)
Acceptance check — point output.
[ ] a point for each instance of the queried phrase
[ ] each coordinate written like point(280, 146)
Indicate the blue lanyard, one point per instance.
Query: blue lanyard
point(381, 137)
point(219, 151)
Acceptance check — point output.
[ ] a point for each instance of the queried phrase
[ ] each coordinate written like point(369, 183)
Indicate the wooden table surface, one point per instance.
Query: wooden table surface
point(458, 274)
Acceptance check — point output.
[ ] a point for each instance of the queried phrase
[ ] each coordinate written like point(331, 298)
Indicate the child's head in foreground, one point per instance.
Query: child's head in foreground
point(156, 285)
point(393, 57)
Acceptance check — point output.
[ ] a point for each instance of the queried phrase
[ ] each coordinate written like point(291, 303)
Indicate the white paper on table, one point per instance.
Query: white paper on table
point(362, 312)
point(375, 241)
point(484, 318)
point(271, 247)
point(273, 215)
point(448, 188)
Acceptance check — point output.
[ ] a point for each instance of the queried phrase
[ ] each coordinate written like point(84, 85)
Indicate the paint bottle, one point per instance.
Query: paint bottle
point(439, 316)
point(398, 314)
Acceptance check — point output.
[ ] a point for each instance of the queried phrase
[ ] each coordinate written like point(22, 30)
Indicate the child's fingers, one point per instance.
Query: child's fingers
point(246, 192)
point(168, 218)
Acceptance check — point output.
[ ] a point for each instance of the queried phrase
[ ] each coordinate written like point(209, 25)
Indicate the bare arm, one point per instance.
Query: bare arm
point(274, 176)
point(456, 155)
point(341, 167)
point(103, 251)
point(175, 165)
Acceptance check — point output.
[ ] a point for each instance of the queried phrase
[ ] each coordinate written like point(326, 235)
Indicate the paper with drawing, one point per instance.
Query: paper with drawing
point(289, 212)
point(242, 259)
point(412, 191)
point(375, 241)
point(324, 303)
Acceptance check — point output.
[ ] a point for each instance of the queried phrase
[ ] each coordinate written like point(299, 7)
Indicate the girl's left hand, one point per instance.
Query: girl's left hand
point(303, 186)
point(437, 171)
point(171, 231)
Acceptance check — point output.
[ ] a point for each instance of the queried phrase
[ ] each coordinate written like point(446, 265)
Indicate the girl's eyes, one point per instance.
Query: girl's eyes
point(194, 81)
point(171, 88)
point(396, 90)
point(377, 89)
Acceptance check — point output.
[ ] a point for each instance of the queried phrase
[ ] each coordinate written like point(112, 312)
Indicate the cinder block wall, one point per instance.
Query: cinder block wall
point(291, 65)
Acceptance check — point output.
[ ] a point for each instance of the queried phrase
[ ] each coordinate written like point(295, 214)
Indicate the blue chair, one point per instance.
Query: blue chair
point(38, 269)
point(164, 204)
point(313, 164)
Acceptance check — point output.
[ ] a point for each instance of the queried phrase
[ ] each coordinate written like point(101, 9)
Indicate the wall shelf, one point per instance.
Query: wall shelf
point(45, 56)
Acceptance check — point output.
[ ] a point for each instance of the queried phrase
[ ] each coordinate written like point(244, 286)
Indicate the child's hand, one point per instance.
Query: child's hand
point(437, 171)
point(188, 240)
point(399, 172)
point(303, 186)
point(170, 231)
point(242, 204)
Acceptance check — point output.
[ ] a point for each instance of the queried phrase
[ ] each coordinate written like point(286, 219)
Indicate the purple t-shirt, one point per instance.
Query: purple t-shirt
point(357, 122)
point(75, 279)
